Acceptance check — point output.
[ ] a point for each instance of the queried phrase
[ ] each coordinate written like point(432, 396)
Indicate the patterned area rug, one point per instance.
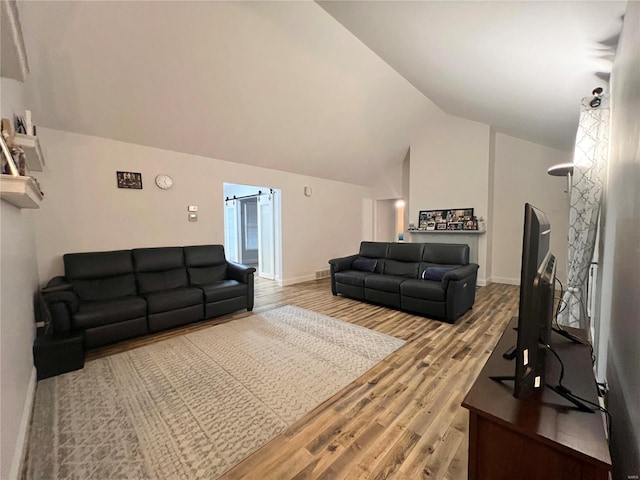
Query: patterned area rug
point(193, 406)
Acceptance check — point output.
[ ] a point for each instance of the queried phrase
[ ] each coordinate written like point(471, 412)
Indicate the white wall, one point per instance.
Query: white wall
point(385, 221)
point(84, 211)
point(18, 281)
point(618, 352)
point(491, 202)
point(520, 176)
point(450, 169)
point(273, 84)
point(368, 220)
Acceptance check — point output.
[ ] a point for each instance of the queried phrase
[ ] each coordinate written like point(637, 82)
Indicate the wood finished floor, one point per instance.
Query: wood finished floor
point(402, 419)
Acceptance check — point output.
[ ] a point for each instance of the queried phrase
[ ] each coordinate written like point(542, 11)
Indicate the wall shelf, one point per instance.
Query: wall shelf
point(20, 191)
point(450, 232)
point(32, 151)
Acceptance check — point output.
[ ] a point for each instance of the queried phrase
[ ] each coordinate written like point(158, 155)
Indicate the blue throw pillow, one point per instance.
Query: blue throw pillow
point(365, 264)
point(435, 273)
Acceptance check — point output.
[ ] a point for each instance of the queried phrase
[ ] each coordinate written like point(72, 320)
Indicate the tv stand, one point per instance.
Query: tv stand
point(556, 388)
point(543, 436)
point(569, 335)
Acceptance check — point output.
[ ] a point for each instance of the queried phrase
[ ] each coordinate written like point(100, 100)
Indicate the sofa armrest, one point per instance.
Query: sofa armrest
point(460, 273)
point(338, 264)
point(460, 290)
point(62, 303)
point(240, 273)
point(343, 263)
point(243, 274)
point(57, 284)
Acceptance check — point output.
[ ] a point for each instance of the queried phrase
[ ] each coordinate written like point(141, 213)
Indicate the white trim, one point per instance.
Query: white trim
point(20, 452)
point(294, 280)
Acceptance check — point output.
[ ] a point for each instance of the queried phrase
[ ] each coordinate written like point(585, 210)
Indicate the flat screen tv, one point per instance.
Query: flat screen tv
point(535, 313)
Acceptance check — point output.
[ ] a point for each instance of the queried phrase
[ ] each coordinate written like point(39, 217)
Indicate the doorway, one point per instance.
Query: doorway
point(252, 228)
point(249, 231)
point(389, 220)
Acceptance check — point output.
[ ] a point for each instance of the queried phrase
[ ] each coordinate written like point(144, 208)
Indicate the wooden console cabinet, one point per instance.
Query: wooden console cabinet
point(541, 437)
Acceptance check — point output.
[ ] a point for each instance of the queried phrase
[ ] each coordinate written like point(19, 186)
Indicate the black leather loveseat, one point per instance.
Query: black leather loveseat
point(111, 296)
point(431, 279)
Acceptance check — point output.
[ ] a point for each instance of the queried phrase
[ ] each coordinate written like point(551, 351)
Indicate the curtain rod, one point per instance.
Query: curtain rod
point(260, 193)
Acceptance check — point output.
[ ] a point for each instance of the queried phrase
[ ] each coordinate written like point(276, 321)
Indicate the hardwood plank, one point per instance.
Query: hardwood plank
point(402, 419)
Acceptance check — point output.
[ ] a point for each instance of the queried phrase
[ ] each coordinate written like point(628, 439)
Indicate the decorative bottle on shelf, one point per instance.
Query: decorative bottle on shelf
point(482, 225)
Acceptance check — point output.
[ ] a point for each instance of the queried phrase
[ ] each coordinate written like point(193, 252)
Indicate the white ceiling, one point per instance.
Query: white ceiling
point(521, 67)
point(272, 84)
point(283, 85)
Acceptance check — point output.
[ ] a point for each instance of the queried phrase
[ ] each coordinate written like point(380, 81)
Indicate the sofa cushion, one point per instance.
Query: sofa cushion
point(373, 249)
point(97, 264)
point(384, 283)
point(105, 288)
point(100, 275)
point(161, 281)
point(205, 264)
point(159, 269)
point(401, 269)
point(365, 264)
point(424, 266)
point(107, 312)
point(204, 255)
point(454, 254)
point(351, 277)
point(423, 289)
point(223, 290)
point(174, 299)
point(205, 275)
point(156, 259)
point(405, 252)
point(435, 273)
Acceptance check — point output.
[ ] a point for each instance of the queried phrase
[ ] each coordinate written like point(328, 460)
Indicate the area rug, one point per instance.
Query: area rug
point(195, 405)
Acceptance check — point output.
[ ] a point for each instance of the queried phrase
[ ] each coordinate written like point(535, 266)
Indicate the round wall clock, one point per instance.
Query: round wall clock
point(164, 181)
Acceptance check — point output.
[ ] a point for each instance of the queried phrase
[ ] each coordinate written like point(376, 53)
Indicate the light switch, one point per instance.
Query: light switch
point(193, 217)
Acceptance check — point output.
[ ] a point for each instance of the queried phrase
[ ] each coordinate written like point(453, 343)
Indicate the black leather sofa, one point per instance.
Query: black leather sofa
point(112, 296)
point(431, 279)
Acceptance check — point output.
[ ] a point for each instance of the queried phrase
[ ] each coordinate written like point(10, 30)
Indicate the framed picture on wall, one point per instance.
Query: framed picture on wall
point(447, 219)
point(129, 180)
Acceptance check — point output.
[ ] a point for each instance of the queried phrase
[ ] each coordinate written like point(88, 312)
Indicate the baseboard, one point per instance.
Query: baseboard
point(292, 281)
point(508, 281)
point(20, 453)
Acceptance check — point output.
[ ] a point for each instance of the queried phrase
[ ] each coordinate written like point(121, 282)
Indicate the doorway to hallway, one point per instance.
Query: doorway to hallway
point(252, 230)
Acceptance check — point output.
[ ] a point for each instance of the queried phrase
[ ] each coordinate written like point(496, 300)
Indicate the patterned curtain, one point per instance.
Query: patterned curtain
point(589, 170)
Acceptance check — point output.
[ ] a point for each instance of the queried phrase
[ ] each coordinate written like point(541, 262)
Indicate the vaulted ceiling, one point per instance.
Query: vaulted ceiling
point(284, 85)
point(519, 66)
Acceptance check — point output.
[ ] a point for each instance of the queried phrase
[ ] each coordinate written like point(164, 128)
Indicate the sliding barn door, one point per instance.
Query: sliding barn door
point(231, 231)
point(266, 237)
